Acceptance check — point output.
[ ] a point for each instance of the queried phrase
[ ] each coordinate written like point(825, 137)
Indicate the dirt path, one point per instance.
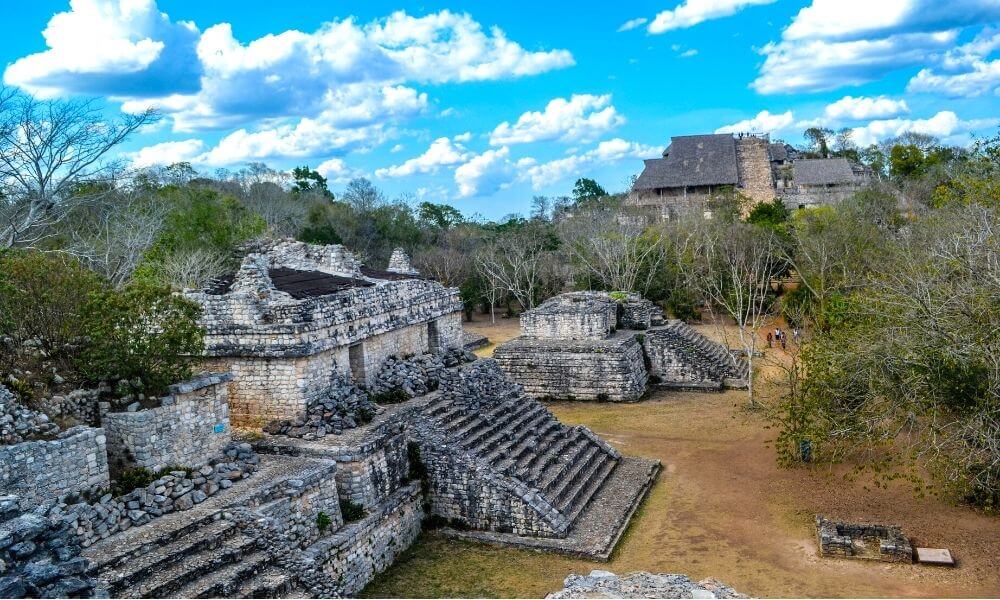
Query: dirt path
point(722, 508)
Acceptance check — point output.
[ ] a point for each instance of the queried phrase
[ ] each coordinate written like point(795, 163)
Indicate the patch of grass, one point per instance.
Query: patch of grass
point(351, 511)
point(323, 521)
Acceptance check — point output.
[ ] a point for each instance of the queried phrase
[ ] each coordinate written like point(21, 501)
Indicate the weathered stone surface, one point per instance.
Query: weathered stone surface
point(18, 423)
point(604, 584)
point(885, 543)
point(76, 460)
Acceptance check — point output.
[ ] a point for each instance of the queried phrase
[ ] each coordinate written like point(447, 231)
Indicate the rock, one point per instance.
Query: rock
point(604, 584)
point(12, 586)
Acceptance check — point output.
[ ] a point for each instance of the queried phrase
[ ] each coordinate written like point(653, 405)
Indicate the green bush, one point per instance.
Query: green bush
point(393, 396)
point(323, 521)
point(351, 511)
point(142, 334)
point(41, 298)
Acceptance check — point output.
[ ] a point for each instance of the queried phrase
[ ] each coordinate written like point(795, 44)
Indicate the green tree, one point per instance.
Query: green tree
point(439, 216)
point(587, 189)
point(906, 161)
point(306, 180)
point(819, 141)
point(144, 335)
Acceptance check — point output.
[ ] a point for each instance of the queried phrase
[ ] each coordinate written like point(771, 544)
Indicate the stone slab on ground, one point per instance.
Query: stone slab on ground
point(935, 556)
point(597, 530)
point(474, 341)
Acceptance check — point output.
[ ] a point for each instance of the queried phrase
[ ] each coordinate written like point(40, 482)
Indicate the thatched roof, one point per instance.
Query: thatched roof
point(822, 171)
point(692, 160)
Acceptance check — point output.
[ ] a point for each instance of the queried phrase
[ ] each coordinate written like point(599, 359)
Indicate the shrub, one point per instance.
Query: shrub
point(323, 521)
point(143, 334)
point(41, 298)
point(391, 396)
point(351, 511)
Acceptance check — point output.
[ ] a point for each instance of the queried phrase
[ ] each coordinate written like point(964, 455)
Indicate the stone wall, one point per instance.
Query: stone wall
point(190, 427)
point(570, 320)
point(44, 470)
point(606, 370)
point(358, 551)
point(369, 474)
point(296, 505)
point(753, 163)
point(885, 543)
point(464, 492)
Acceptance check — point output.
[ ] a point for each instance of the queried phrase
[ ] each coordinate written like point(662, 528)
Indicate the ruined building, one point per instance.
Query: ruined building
point(609, 347)
point(694, 168)
point(375, 424)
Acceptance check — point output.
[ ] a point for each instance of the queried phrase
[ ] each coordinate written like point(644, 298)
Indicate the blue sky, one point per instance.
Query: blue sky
point(483, 105)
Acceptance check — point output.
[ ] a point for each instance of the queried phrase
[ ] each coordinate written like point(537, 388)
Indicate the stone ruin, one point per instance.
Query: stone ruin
point(609, 346)
point(375, 424)
point(884, 543)
point(605, 584)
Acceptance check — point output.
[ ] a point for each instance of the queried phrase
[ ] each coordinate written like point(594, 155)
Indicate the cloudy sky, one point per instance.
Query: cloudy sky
point(483, 105)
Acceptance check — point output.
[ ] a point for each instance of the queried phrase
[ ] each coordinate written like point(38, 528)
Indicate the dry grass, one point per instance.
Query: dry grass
point(722, 508)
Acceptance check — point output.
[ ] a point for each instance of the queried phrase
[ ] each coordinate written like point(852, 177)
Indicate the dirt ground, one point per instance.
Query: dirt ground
point(722, 508)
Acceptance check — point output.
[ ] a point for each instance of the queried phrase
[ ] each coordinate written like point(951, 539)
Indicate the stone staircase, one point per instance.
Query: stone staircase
point(201, 556)
point(703, 359)
point(519, 438)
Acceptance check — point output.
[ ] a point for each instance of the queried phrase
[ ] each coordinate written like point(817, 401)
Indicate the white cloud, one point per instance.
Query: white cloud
point(835, 43)
point(485, 173)
point(442, 152)
point(764, 122)
point(167, 153)
point(286, 94)
point(964, 71)
point(818, 65)
point(111, 47)
point(850, 108)
point(446, 46)
point(692, 12)
point(944, 125)
point(337, 171)
point(607, 152)
point(581, 118)
point(688, 53)
point(463, 137)
point(633, 24)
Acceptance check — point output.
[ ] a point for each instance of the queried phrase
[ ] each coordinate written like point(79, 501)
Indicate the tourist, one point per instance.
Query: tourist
point(769, 339)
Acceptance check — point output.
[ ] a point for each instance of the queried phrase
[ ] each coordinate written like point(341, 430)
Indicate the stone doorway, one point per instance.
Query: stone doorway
point(356, 359)
point(433, 337)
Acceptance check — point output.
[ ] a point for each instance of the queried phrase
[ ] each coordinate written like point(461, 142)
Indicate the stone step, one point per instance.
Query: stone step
point(487, 425)
point(545, 464)
point(272, 582)
point(549, 430)
point(563, 492)
point(165, 582)
point(113, 552)
point(526, 430)
point(143, 566)
point(577, 457)
point(224, 581)
point(504, 431)
point(588, 487)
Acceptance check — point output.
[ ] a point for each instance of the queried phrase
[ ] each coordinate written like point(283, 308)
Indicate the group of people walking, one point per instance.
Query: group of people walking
point(781, 338)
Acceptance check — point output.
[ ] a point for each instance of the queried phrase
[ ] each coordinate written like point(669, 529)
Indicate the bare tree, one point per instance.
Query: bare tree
point(614, 249)
point(111, 236)
point(518, 262)
point(193, 269)
point(731, 265)
point(53, 156)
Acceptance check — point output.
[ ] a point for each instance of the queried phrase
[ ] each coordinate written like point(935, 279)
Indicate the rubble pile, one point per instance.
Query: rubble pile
point(18, 423)
point(39, 557)
point(343, 406)
point(418, 375)
point(604, 584)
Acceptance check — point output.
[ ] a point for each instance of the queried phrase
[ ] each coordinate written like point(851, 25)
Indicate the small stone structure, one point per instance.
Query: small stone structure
point(295, 316)
point(885, 543)
point(190, 426)
point(608, 347)
point(605, 584)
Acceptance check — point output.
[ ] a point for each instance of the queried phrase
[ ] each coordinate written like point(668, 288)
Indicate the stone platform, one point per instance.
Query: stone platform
point(601, 525)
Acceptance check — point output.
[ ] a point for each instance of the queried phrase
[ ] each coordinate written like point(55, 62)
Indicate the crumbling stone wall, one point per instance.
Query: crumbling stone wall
point(358, 551)
point(370, 473)
point(296, 505)
point(190, 427)
point(885, 543)
point(753, 163)
point(44, 470)
point(606, 370)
